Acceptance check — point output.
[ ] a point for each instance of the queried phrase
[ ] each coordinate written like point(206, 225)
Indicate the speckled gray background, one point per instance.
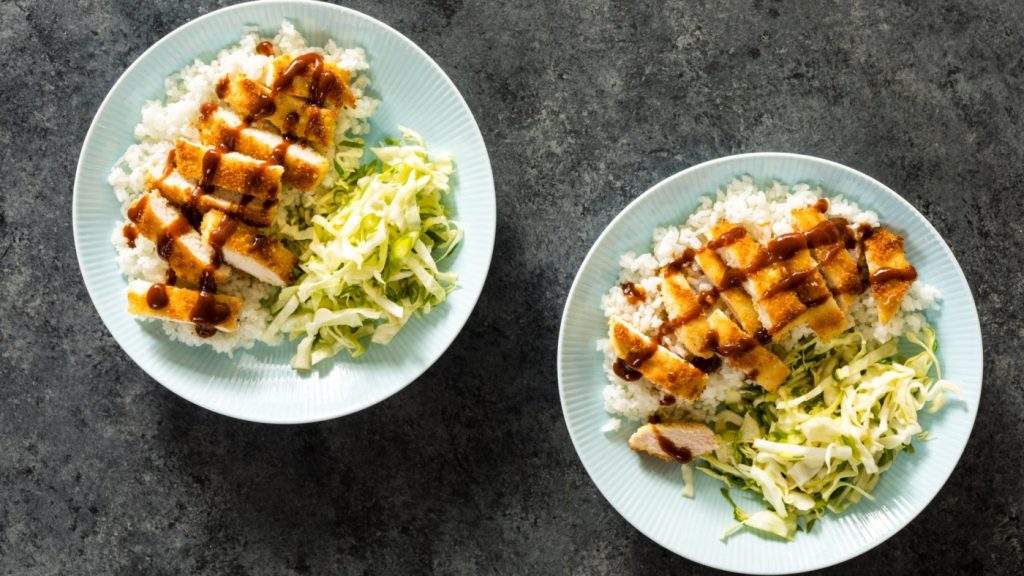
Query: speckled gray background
point(470, 470)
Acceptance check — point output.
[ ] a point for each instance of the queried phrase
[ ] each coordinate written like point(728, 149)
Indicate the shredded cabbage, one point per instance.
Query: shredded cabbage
point(369, 250)
point(823, 439)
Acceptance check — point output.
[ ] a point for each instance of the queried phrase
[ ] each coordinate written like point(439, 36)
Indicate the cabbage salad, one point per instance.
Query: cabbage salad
point(822, 441)
point(369, 250)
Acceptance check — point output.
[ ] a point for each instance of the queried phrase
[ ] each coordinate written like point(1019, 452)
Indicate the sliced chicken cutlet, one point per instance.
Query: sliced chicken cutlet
point(777, 303)
point(735, 298)
point(327, 84)
point(247, 250)
point(675, 442)
point(304, 168)
point(888, 269)
point(179, 191)
point(233, 171)
point(659, 365)
point(828, 247)
point(289, 114)
point(179, 304)
point(823, 313)
point(743, 352)
point(685, 314)
point(175, 239)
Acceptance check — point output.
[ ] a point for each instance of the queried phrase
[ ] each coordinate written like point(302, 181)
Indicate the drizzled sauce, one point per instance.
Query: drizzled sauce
point(784, 246)
point(130, 233)
point(172, 277)
point(790, 281)
point(207, 312)
point(265, 48)
point(219, 236)
point(260, 244)
point(156, 297)
point(636, 357)
point(821, 205)
point(667, 400)
point(762, 336)
point(635, 294)
point(729, 237)
point(677, 265)
point(622, 370)
point(680, 453)
point(222, 87)
point(706, 365)
point(883, 275)
point(207, 110)
point(708, 297)
point(167, 237)
point(738, 348)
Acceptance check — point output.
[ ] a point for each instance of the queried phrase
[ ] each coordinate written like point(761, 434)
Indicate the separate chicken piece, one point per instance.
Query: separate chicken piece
point(176, 241)
point(246, 249)
point(776, 302)
point(233, 171)
point(888, 269)
point(829, 249)
point(685, 313)
point(675, 442)
point(738, 301)
point(178, 304)
point(304, 168)
point(823, 314)
point(289, 114)
point(336, 92)
point(659, 365)
point(178, 191)
point(743, 352)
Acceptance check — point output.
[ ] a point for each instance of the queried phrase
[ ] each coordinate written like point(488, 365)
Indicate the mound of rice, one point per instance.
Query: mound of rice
point(164, 122)
point(765, 213)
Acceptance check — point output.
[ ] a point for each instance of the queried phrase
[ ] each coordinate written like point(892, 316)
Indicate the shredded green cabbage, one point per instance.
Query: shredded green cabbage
point(823, 439)
point(369, 250)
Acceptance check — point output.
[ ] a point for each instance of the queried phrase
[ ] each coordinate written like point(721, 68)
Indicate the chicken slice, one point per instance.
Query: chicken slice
point(178, 191)
point(337, 91)
point(836, 263)
point(675, 442)
point(304, 168)
point(823, 313)
point(743, 352)
point(179, 304)
point(289, 114)
point(735, 298)
point(659, 365)
point(246, 249)
point(890, 273)
point(685, 313)
point(176, 241)
point(776, 303)
point(232, 170)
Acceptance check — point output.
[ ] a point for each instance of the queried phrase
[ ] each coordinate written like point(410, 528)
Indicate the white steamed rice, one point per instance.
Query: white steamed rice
point(765, 213)
point(163, 122)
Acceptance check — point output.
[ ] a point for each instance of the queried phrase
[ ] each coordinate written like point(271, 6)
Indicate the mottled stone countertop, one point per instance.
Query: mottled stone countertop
point(583, 105)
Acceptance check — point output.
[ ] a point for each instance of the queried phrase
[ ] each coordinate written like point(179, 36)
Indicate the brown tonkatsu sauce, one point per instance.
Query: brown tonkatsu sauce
point(788, 282)
point(156, 297)
point(680, 453)
point(635, 294)
point(883, 275)
point(172, 277)
point(167, 237)
point(730, 236)
point(762, 336)
point(265, 48)
point(708, 297)
point(821, 205)
point(130, 233)
point(635, 358)
point(207, 312)
point(622, 370)
point(260, 244)
point(222, 87)
point(677, 265)
point(667, 400)
point(219, 236)
point(784, 246)
point(706, 365)
point(738, 348)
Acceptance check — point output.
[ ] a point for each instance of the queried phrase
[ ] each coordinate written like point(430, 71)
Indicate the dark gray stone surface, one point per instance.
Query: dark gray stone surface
point(470, 470)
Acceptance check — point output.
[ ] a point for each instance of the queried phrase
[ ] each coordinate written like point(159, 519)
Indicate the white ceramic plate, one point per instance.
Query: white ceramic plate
point(647, 492)
point(258, 384)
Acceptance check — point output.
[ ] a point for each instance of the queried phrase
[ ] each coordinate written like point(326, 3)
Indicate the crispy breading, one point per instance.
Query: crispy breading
point(756, 361)
point(659, 365)
point(247, 250)
point(291, 114)
point(883, 250)
point(837, 265)
point(180, 304)
point(175, 188)
point(234, 171)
